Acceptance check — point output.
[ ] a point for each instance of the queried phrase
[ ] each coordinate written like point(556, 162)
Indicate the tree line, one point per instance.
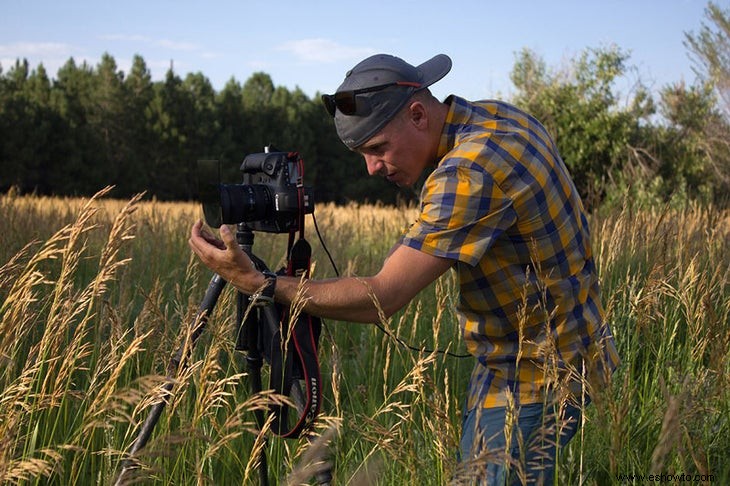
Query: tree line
point(92, 126)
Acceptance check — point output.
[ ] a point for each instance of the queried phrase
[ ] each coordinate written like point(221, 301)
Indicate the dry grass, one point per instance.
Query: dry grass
point(94, 295)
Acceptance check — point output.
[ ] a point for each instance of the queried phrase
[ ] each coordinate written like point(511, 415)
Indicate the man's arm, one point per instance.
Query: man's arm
point(404, 273)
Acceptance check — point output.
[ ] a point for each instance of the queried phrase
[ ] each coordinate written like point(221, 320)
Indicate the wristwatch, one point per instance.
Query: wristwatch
point(267, 293)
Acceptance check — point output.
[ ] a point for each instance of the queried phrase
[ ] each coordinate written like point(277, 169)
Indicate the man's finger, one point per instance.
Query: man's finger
point(195, 230)
point(201, 238)
point(227, 236)
point(211, 239)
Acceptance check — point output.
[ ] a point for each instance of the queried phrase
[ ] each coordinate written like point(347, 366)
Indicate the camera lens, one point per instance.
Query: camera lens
point(244, 202)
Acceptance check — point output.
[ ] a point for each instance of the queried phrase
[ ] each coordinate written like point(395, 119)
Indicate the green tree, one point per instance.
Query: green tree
point(14, 156)
point(203, 127)
point(710, 48)
point(682, 144)
point(261, 124)
point(580, 109)
point(112, 128)
point(30, 145)
point(76, 169)
point(258, 91)
point(292, 113)
point(169, 119)
point(228, 145)
point(133, 174)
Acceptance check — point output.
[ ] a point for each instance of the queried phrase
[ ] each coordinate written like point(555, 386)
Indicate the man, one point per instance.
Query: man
point(500, 208)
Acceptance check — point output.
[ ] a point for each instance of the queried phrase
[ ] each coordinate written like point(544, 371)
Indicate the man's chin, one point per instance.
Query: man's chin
point(399, 181)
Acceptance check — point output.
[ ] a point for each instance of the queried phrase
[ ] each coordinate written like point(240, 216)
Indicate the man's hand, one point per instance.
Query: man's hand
point(224, 257)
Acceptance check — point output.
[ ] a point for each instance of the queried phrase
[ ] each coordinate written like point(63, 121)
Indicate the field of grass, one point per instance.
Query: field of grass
point(96, 295)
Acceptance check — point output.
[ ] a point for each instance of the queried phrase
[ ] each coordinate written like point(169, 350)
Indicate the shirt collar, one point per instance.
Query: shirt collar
point(460, 111)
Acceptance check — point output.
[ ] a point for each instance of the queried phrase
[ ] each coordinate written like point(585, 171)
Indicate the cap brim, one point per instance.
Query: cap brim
point(434, 69)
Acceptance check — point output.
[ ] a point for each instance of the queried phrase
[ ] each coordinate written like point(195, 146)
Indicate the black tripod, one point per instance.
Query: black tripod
point(258, 335)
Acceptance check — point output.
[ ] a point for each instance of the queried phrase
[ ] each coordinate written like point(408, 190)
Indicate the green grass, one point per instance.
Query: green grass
point(95, 296)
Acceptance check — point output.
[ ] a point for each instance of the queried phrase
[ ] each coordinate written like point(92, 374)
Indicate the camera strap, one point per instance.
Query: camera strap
point(292, 348)
point(293, 357)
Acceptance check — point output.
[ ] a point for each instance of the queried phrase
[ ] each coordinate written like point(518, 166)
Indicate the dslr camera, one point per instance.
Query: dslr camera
point(271, 197)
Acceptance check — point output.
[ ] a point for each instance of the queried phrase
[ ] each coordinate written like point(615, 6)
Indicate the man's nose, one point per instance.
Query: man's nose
point(374, 165)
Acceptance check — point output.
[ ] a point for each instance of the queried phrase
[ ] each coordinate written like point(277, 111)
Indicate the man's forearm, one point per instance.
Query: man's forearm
point(347, 298)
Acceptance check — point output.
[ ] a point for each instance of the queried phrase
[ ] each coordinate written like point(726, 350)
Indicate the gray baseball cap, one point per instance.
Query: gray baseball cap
point(375, 90)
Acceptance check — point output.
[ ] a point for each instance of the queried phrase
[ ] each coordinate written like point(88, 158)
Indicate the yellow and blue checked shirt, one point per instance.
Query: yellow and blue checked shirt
point(501, 203)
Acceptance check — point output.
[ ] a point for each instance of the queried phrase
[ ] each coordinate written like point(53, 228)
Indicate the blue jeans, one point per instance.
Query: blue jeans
point(485, 458)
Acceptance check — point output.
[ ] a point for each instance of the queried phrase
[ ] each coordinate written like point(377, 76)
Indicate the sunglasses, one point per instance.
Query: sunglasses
point(346, 101)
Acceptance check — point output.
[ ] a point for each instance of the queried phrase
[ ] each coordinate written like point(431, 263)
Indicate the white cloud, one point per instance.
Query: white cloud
point(211, 55)
point(125, 38)
point(165, 43)
point(323, 50)
point(177, 46)
point(34, 49)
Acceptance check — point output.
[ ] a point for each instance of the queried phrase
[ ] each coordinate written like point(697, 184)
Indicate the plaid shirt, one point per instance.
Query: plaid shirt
point(502, 204)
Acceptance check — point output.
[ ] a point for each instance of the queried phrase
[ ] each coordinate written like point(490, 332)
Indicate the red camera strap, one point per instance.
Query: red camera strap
point(294, 360)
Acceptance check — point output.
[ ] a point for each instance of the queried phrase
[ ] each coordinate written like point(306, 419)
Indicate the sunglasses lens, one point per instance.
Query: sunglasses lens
point(329, 104)
point(345, 101)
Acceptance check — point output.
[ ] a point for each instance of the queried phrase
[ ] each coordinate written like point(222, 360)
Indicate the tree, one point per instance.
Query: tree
point(172, 120)
point(229, 141)
point(579, 108)
point(711, 50)
point(30, 145)
point(133, 175)
point(258, 91)
point(260, 119)
point(203, 127)
point(109, 121)
point(13, 107)
point(75, 169)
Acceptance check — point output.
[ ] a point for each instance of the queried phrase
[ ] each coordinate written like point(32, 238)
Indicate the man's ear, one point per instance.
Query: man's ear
point(418, 115)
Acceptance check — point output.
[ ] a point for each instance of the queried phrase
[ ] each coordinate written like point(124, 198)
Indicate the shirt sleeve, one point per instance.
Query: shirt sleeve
point(463, 212)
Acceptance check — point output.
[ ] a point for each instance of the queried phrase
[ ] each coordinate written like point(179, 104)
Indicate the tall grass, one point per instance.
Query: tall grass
point(96, 295)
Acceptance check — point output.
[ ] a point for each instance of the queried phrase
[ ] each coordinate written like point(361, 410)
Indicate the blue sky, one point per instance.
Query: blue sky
point(311, 44)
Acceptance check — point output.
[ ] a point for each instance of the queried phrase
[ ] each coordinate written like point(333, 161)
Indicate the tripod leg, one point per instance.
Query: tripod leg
point(215, 287)
point(254, 365)
point(247, 340)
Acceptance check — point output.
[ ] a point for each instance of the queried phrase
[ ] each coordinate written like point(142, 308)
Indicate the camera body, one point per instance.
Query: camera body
point(271, 197)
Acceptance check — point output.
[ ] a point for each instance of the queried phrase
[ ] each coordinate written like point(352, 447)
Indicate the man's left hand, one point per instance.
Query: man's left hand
point(224, 257)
